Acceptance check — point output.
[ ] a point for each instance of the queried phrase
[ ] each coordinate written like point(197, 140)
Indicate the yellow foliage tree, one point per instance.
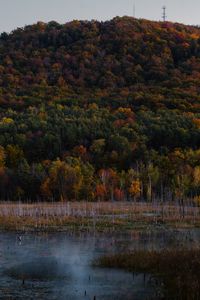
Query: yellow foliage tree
point(64, 181)
point(135, 188)
point(7, 121)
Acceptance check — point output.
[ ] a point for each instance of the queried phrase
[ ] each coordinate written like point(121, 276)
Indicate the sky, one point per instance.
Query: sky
point(18, 13)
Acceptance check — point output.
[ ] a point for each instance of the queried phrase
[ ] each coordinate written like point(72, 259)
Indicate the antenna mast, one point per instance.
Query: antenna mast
point(164, 17)
point(134, 10)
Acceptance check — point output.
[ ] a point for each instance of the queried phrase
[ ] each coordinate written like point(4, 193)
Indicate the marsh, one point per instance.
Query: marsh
point(59, 266)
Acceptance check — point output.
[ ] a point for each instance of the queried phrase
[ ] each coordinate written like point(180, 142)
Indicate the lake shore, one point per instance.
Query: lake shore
point(98, 216)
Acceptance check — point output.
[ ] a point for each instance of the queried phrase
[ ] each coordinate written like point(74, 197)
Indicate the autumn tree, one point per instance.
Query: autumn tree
point(135, 189)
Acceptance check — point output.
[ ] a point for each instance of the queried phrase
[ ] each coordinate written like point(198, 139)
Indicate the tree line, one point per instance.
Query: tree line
point(74, 153)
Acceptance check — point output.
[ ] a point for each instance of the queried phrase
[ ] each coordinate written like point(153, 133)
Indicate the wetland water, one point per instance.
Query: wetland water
point(59, 266)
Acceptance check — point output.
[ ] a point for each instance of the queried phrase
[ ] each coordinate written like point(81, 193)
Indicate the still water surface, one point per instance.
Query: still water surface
point(59, 266)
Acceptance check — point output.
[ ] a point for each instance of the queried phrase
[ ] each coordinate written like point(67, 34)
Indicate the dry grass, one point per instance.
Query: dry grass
point(99, 215)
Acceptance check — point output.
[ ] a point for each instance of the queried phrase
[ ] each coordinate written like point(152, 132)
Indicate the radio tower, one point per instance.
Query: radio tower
point(134, 10)
point(164, 14)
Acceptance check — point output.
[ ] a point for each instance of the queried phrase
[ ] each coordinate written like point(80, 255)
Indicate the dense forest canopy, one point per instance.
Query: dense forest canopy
point(100, 111)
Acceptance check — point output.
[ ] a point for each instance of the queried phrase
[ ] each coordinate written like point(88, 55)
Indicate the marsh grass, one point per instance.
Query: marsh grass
point(177, 270)
point(100, 216)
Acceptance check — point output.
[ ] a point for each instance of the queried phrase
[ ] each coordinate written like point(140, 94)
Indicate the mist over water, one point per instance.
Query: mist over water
point(59, 266)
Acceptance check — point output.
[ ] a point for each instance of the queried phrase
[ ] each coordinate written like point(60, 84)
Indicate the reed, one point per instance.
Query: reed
point(177, 270)
point(96, 216)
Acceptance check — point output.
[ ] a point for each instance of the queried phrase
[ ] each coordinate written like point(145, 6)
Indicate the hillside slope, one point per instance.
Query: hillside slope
point(92, 110)
point(150, 63)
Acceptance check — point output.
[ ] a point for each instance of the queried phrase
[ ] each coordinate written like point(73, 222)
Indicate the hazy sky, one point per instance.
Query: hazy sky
point(17, 13)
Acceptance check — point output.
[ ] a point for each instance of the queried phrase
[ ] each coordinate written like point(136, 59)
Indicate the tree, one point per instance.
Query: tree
point(2, 157)
point(14, 155)
point(101, 192)
point(64, 181)
point(135, 189)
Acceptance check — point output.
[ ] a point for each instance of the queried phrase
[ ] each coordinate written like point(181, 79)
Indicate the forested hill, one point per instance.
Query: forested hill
point(100, 110)
point(146, 63)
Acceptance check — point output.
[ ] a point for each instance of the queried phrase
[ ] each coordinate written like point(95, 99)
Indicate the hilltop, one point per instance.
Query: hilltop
point(148, 63)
